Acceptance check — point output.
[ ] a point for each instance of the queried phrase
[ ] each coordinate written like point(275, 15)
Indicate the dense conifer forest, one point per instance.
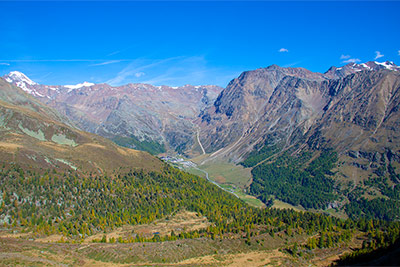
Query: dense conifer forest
point(78, 205)
point(301, 179)
point(287, 179)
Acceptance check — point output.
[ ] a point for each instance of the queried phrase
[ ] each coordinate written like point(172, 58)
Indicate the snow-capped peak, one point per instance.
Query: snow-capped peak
point(16, 76)
point(387, 65)
point(367, 66)
point(79, 85)
point(22, 81)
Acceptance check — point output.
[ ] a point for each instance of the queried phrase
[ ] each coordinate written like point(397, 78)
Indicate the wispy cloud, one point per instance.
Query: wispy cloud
point(63, 60)
point(139, 74)
point(352, 60)
point(43, 77)
point(348, 59)
point(174, 71)
point(106, 63)
point(51, 60)
point(46, 75)
point(283, 50)
point(398, 52)
point(4, 64)
point(291, 64)
point(114, 53)
point(378, 55)
point(136, 66)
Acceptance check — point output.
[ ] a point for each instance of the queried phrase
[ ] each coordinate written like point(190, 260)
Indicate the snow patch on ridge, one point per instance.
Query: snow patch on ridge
point(79, 85)
point(22, 85)
point(388, 65)
point(366, 66)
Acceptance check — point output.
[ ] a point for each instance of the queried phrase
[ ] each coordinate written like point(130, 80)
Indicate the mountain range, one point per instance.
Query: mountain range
point(141, 116)
point(352, 111)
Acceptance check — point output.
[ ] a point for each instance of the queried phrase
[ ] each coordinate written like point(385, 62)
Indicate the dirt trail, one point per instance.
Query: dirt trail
point(198, 140)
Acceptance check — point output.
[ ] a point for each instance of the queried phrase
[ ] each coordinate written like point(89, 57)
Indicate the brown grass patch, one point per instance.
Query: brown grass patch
point(54, 146)
point(254, 258)
point(220, 179)
point(14, 235)
point(93, 263)
point(92, 145)
point(126, 151)
point(8, 146)
point(182, 221)
point(49, 239)
point(283, 205)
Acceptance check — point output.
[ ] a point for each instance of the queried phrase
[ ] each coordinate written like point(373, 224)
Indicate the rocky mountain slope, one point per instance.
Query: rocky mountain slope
point(142, 116)
point(258, 103)
point(282, 105)
point(36, 136)
point(361, 122)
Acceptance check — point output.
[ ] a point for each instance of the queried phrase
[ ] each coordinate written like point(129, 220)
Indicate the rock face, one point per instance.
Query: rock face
point(266, 103)
point(361, 120)
point(353, 108)
point(140, 116)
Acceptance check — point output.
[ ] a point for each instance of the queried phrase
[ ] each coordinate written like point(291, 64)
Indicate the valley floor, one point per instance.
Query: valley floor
point(227, 176)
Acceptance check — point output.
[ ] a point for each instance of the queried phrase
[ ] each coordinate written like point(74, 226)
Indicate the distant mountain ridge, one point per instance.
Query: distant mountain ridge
point(350, 68)
point(141, 116)
point(159, 118)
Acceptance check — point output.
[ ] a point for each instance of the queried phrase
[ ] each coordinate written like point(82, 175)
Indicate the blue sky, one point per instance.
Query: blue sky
point(187, 42)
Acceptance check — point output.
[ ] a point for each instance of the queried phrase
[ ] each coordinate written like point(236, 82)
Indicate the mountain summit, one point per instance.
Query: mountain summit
point(22, 81)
